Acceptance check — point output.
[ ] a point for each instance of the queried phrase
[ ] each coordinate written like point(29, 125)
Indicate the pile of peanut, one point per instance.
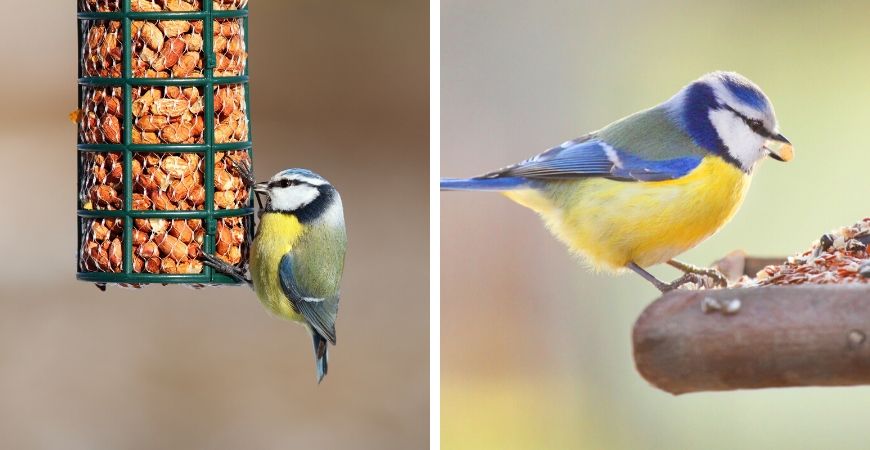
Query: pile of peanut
point(102, 245)
point(174, 181)
point(229, 48)
point(161, 115)
point(173, 48)
point(165, 182)
point(174, 115)
point(167, 48)
point(162, 48)
point(167, 246)
point(103, 51)
point(100, 5)
point(173, 246)
point(101, 115)
point(102, 181)
point(158, 5)
point(184, 5)
point(160, 246)
point(167, 115)
point(162, 182)
point(230, 114)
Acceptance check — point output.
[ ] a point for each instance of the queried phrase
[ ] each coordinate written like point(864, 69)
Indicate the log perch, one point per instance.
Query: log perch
point(778, 336)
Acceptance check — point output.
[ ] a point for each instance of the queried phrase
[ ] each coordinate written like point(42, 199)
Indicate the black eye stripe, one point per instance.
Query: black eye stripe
point(285, 183)
point(754, 125)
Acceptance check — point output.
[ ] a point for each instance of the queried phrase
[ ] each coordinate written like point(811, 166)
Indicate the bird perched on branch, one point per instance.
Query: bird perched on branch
point(652, 185)
point(297, 257)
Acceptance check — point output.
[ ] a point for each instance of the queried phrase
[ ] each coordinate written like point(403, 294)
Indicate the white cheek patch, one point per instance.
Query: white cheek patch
point(292, 198)
point(743, 144)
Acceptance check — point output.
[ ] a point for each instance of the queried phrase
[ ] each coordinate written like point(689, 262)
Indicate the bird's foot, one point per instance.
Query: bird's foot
point(685, 279)
point(221, 266)
point(247, 175)
point(714, 275)
point(245, 172)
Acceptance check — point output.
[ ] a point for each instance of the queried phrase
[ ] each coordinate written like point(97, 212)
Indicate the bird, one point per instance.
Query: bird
point(298, 253)
point(646, 188)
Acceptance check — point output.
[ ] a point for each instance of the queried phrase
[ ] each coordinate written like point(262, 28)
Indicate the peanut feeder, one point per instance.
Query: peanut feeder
point(163, 125)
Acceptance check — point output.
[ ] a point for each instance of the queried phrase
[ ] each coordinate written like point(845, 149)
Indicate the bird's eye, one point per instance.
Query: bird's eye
point(287, 183)
point(756, 125)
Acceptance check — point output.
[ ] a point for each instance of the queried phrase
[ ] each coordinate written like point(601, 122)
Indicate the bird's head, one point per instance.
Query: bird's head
point(727, 114)
point(298, 191)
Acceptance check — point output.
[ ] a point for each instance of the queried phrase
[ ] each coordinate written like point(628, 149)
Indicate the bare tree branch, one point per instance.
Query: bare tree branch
point(755, 338)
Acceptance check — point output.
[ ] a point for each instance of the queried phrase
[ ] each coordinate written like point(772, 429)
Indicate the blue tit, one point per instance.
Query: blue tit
point(297, 257)
point(652, 185)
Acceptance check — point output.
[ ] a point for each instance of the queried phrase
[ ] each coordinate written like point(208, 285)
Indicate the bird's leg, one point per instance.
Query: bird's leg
point(237, 273)
point(660, 285)
point(718, 278)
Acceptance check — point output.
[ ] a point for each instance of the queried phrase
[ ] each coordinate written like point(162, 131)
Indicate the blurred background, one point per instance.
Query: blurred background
point(536, 349)
point(340, 87)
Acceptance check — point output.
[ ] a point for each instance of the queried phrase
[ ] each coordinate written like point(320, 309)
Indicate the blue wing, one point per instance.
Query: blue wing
point(590, 156)
point(319, 312)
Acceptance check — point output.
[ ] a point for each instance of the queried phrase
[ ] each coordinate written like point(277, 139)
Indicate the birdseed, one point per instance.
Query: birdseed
point(839, 257)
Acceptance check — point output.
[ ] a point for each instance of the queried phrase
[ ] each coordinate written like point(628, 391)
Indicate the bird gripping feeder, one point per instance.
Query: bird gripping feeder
point(163, 130)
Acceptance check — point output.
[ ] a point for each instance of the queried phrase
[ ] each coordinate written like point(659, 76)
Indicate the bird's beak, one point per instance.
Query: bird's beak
point(779, 148)
point(262, 188)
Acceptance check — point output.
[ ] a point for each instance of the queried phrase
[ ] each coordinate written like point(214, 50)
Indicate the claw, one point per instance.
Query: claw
point(719, 279)
point(221, 266)
point(247, 175)
point(245, 172)
point(685, 279)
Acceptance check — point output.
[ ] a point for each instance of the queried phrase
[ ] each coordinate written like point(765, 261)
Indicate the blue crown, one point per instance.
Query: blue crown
point(745, 91)
point(301, 172)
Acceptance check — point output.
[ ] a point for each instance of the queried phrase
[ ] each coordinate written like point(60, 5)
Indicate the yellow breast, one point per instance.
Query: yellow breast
point(613, 223)
point(276, 235)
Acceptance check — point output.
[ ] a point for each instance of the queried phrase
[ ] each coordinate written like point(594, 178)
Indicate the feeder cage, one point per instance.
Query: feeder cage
point(163, 127)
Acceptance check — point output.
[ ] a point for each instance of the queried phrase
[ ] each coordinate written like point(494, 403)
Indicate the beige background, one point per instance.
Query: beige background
point(338, 87)
point(535, 347)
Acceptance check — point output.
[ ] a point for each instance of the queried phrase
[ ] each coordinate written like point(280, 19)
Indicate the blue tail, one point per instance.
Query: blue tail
point(321, 355)
point(482, 184)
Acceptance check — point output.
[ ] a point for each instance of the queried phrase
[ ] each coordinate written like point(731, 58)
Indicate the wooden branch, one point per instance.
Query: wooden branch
point(755, 338)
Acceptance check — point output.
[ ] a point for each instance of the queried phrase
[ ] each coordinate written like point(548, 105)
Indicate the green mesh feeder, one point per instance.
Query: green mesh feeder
point(163, 130)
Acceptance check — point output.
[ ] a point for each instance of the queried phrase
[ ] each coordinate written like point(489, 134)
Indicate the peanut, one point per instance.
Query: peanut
point(98, 121)
point(115, 258)
point(139, 237)
point(99, 231)
point(152, 122)
point(176, 133)
point(161, 201)
point(144, 6)
point(148, 250)
point(186, 65)
point(153, 265)
point(182, 231)
point(141, 202)
point(171, 247)
point(152, 36)
point(179, 5)
point(101, 51)
point(173, 28)
point(111, 128)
